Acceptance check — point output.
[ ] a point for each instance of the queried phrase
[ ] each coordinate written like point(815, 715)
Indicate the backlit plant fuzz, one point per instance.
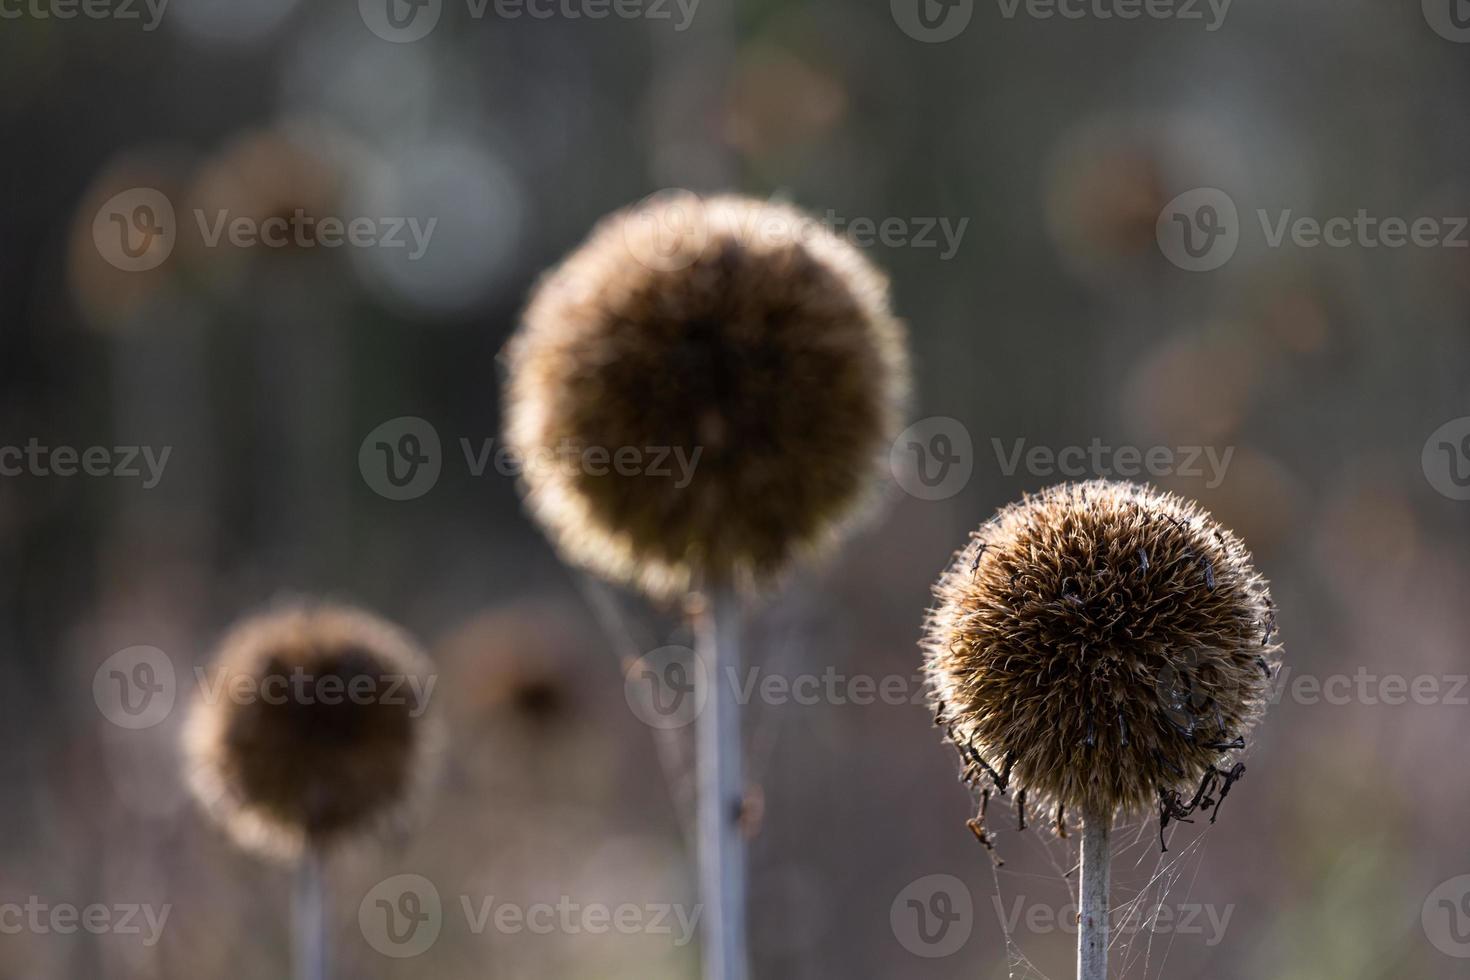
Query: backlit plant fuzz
point(1102, 647)
point(703, 391)
point(311, 727)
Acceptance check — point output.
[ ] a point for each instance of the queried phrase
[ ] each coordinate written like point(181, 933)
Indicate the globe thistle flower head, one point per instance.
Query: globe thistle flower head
point(312, 728)
point(1102, 646)
point(703, 391)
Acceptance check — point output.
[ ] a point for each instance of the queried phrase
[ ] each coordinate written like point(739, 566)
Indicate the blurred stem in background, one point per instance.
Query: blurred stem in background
point(308, 913)
point(721, 792)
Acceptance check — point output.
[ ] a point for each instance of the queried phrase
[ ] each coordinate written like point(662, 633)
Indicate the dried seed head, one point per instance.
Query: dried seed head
point(515, 670)
point(703, 390)
point(312, 727)
point(1103, 645)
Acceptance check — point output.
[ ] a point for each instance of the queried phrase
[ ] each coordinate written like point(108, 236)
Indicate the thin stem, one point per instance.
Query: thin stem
point(721, 793)
point(309, 918)
point(1092, 925)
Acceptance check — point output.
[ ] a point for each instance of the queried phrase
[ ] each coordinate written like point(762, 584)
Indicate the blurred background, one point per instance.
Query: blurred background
point(1091, 221)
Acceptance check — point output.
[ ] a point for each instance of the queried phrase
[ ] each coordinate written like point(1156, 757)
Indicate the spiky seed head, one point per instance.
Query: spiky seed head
point(743, 361)
point(1100, 644)
point(315, 728)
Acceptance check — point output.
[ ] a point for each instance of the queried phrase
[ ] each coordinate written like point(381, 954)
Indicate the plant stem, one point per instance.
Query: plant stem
point(309, 915)
point(721, 792)
point(1092, 926)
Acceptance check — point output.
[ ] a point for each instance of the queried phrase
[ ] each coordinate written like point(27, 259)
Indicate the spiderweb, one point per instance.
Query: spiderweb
point(1146, 883)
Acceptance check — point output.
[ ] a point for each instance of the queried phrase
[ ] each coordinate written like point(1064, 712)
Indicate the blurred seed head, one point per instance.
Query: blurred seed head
point(282, 769)
point(1102, 642)
point(117, 299)
point(735, 334)
point(516, 669)
point(291, 175)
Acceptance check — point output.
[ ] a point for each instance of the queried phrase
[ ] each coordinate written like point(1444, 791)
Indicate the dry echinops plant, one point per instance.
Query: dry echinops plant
point(754, 353)
point(1102, 647)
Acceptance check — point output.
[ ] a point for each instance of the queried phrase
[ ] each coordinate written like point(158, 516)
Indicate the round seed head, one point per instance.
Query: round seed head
point(703, 391)
point(1102, 646)
point(311, 728)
